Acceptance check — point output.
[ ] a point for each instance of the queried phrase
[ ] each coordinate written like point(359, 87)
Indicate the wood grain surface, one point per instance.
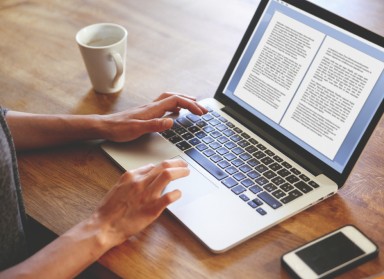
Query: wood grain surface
point(173, 45)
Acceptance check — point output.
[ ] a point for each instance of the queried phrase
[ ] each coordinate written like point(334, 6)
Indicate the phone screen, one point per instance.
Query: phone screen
point(329, 253)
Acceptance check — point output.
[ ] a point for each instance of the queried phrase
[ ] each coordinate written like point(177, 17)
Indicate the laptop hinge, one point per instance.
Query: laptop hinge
point(272, 140)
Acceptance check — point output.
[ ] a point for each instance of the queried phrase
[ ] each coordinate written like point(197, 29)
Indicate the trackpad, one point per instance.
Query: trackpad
point(192, 187)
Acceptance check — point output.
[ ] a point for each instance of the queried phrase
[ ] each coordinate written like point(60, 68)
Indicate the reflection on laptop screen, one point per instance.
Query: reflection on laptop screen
point(317, 84)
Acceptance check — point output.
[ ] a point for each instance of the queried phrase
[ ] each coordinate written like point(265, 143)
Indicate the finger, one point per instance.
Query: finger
point(165, 200)
point(173, 102)
point(144, 169)
point(164, 178)
point(170, 94)
point(153, 125)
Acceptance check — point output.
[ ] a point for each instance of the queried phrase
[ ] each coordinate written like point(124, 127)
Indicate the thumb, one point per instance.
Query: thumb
point(158, 125)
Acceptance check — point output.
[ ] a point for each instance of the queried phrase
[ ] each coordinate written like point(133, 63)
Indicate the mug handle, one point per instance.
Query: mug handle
point(119, 67)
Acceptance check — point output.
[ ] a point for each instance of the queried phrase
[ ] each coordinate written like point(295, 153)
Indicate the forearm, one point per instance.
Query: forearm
point(66, 256)
point(39, 130)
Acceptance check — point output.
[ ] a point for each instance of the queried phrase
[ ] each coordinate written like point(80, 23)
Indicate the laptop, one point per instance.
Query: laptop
point(294, 110)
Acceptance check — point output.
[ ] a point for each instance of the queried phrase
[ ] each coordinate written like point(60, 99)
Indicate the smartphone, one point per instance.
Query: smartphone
point(330, 254)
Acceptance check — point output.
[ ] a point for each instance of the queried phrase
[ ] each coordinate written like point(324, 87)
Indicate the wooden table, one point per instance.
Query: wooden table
point(174, 45)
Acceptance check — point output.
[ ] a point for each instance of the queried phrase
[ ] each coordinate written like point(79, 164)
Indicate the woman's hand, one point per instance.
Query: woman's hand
point(137, 200)
point(131, 124)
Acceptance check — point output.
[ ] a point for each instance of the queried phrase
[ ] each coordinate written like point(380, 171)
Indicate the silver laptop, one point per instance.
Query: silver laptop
point(302, 95)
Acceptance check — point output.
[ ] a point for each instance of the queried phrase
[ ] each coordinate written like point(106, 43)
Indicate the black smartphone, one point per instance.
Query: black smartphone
point(330, 254)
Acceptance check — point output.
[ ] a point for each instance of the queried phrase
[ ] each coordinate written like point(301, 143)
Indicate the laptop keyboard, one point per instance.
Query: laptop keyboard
point(254, 173)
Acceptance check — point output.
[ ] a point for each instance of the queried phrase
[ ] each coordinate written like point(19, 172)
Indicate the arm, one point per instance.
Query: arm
point(40, 130)
point(130, 206)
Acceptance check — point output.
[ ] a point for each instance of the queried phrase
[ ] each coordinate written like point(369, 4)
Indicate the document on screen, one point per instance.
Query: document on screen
point(311, 84)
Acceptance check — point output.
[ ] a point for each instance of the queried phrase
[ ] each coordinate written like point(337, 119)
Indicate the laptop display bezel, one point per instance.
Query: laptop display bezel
point(281, 142)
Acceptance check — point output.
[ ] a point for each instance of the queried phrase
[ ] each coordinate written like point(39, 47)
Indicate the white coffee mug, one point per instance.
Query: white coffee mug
point(103, 48)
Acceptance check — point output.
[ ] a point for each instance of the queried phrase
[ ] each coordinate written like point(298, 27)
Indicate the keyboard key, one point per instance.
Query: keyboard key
point(229, 156)
point(277, 180)
point(245, 135)
point(269, 153)
point(228, 132)
point(194, 141)
point(231, 170)
point(223, 139)
point(183, 145)
point(214, 145)
point(239, 176)
point(175, 139)
point(251, 149)
point(221, 127)
point(216, 158)
point(291, 196)
point(229, 182)
point(245, 168)
point(286, 187)
point(304, 177)
point(214, 122)
point(253, 174)
point(245, 156)
point(253, 162)
point(183, 121)
point(207, 117)
point(286, 165)
point(238, 150)
point(168, 134)
point(267, 160)
point(269, 174)
point(270, 187)
point(201, 124)
point(235, 138)
point(313, 184)
point(209, 152)
point(270, 200)
point(303, 187)
point(243, 143)
point(230, 145)
point(201, 147)
point(238, 189)
point(223, 164)
point(238, 162)
point(292, 179)
point(237, 130)
point(193, 117)
point(247, 182)
point(261, 180)
point(222, 150)
point(215, 134)
point(255, 189)
point(259, 154)
point(194, 129)
point(260, 146)
point(277, 159)
point(253, 141)
point(295, 171)
point(208, 139)
point(206, 164)
point(283, 172)
point(222, 119)
point(275, 166)
point(261, 211)
point(200, 134)
point(187, 136)
point(208, 129)
point(261, 168)
point(244, 197)
point(278, 194)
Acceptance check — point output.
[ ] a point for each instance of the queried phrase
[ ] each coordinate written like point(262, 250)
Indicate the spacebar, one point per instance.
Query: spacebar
point(206, 164)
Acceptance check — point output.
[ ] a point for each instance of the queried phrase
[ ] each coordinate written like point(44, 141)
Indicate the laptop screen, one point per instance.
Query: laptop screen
point(315, 83)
